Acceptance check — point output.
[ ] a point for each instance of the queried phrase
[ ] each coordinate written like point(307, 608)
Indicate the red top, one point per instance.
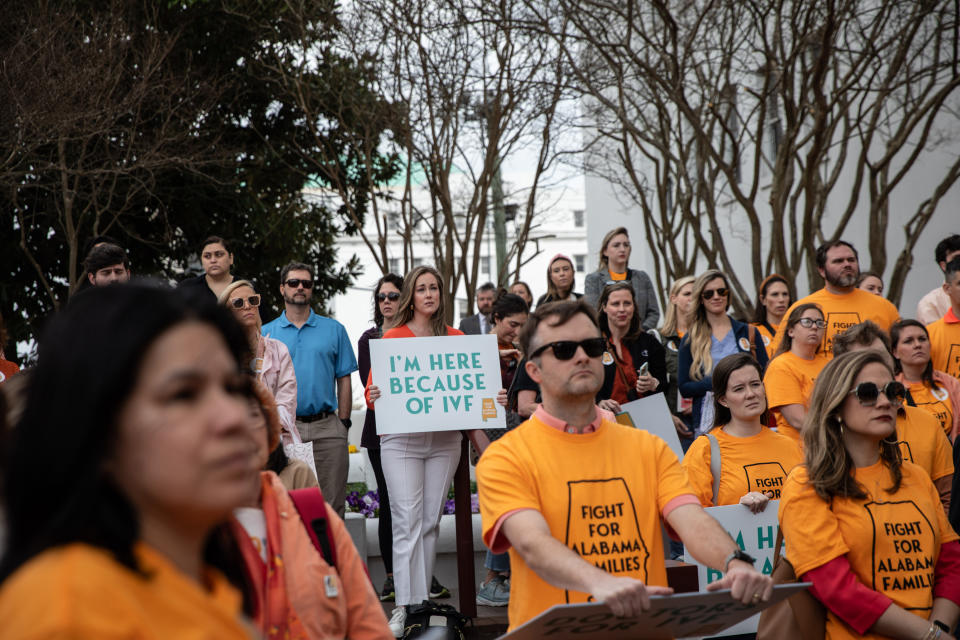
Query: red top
point(625, 375)
point(403, 331)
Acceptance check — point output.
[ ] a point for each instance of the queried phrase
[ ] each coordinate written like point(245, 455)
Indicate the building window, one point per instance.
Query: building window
point(485, 265)
point(580, 262)
point(417, 262)
point(578, 219)
point(394, 265)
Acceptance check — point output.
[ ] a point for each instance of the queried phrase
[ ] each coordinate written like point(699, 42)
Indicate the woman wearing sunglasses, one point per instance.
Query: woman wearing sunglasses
point(633, 362)
point(740, 460)
point(386, 301)
point(712, 336)
point(418, 467)
point(931, 390)
point(794, 368)
point(864, 526)
point(269, 359)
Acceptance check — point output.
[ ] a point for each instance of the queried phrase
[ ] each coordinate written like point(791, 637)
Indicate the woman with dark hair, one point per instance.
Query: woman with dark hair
point(418, 467)
point(931, 390)
point(740, 460)
point(291, 576)
point(712, 336)
point(864, 526)
point(633, 363)
point(386, 302)
point(794, 368)
point(561, 279)
point(145, 454)
point(614, 257)
point(773, 300)
point(869, 281)
point(216, 260)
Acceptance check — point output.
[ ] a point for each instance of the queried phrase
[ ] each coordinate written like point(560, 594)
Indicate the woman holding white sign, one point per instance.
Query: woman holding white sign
point(864, 526)
point(740, 460)
point(418, 467)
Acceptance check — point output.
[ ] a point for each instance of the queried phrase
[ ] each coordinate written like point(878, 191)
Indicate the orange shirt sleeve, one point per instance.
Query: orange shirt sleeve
point(810, 528)
point(696, 464)
point(784, 384)
point(503, 485)
point(671, 479)
point(365, 617)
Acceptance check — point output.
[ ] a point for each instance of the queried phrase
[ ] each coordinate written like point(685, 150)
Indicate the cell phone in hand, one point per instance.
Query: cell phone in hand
point(644, 369)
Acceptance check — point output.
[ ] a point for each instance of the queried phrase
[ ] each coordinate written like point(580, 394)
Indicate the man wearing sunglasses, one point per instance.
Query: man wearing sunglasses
point(843, 304)
point(323, 360)
point(921, 438)
point(479, 324)
point(578, 500)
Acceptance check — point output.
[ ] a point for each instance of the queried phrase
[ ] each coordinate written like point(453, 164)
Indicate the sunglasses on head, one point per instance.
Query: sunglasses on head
point(392, 296)
point(566, 349)
point(293, 283)
point(868, 392)
point(253, 301)
point(722, 292)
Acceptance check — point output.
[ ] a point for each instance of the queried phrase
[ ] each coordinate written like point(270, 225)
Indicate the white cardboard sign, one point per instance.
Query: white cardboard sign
point(676, 616)
point(441, 383)
point(652, 414)
point(755, 533)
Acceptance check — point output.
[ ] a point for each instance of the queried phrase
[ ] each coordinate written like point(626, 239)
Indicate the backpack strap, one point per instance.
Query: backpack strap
point(313, 512)
point(714, 465)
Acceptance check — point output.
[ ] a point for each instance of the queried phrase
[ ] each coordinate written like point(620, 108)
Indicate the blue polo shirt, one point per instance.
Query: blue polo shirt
point(321, 353)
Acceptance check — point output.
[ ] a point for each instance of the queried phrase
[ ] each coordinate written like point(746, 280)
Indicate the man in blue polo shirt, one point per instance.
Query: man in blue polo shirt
point(323, 361)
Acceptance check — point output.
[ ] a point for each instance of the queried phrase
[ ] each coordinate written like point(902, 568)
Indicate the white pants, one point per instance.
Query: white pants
point(418, 468)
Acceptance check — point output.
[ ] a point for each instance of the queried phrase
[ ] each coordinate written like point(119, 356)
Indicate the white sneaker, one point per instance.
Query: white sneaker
point(398, 621)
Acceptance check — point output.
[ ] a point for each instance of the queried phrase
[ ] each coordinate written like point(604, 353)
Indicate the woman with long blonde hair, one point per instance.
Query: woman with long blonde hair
point(418, 467)
point(865, 527)
point(712, 335)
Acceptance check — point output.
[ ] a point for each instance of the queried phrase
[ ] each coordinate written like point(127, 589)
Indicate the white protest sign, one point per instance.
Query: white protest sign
point(755, 533)
point(437, 384)
point(652, 414)
point(676, 616)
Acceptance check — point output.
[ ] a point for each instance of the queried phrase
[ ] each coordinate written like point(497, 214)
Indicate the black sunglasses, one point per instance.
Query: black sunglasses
point(237, 303)
point(393, 295)
point(722, 292)
point(293, 283)
point(868, 393)
point(566, 349)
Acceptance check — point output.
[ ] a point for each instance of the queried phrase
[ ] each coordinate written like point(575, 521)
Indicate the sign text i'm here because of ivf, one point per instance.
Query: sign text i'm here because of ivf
point(436, 384)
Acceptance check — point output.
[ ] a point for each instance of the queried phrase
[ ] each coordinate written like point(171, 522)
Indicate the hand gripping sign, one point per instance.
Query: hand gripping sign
point(437, 384)
point(675, 616)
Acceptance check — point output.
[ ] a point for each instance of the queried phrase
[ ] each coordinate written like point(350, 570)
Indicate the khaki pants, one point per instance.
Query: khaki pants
point(329, 439)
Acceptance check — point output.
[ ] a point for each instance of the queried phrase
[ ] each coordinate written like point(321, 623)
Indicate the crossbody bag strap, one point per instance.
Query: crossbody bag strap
point(714, 465)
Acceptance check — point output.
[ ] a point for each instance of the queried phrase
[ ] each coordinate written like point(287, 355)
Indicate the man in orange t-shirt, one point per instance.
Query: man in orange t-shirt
point(843, 304)
point(945, 332)
point(581, 519)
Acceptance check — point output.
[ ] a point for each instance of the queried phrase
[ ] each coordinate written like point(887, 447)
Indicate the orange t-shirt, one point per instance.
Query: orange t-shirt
point(892, 540)
point(617, 277)
point(80, 591)
point(7, 369)
point(841, 312)
point(923, 442)
point(936, 403)
point(945, 344)
point(766, 335)
point(756, 463)
point(594, 495)
point(789, 380)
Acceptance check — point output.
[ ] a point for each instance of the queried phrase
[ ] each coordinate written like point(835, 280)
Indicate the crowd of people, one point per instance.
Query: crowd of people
point(196, 478)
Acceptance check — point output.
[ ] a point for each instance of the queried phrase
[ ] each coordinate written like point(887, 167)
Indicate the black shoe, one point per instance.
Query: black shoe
point(437, 590)
point(388, 593)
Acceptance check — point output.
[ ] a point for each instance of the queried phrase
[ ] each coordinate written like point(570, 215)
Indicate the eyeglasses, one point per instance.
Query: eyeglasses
point(393, 296)
point(253, 301)
point(722, 292)
point(293, 283)
point(566, 349)
point(868, 393)
point(809, 323)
